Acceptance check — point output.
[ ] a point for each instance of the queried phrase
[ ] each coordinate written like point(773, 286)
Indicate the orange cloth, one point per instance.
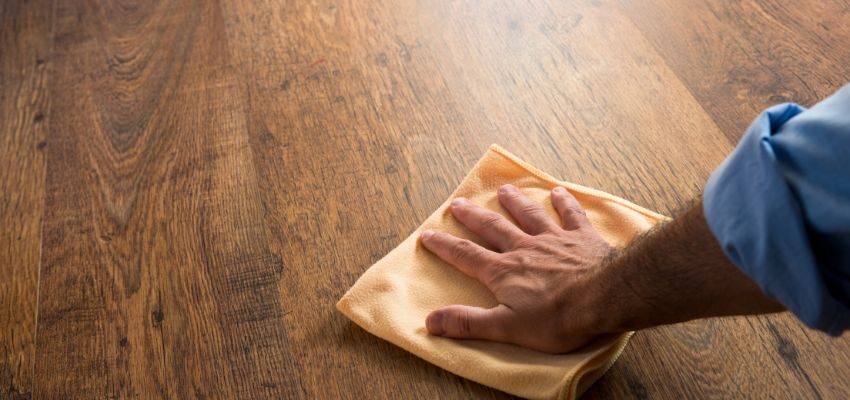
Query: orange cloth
point(393, 297)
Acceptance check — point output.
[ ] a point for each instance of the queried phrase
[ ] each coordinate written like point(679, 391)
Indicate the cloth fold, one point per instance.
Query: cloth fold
point(393, 297)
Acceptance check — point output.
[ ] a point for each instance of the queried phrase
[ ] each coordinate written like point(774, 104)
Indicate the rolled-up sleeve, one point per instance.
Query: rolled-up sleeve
point(779, 206)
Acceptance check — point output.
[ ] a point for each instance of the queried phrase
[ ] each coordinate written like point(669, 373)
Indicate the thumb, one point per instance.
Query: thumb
point(465, 322)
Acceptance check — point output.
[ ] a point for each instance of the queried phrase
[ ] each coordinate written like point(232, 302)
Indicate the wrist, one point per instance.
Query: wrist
point(622, 301)
point(608, 301)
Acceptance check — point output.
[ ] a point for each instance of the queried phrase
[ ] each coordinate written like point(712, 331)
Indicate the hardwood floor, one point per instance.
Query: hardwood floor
point(25, 42)
point(188, 186)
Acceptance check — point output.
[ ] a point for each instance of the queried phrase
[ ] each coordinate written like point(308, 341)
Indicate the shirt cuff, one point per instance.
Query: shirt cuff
point(759, 223)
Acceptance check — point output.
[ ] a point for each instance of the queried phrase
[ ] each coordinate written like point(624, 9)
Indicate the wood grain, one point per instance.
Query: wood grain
point(737, 58)
point(159, 278)
point(218, 173)
point(25, 37)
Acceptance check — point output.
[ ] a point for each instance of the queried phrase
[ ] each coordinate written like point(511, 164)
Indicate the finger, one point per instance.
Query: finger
point(572, 215)
point(464, 322)
point(490, 226)
point(463, 254)
point(530, 215)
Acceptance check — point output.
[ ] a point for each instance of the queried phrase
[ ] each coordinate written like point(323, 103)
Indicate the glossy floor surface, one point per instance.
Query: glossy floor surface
point(188, 186)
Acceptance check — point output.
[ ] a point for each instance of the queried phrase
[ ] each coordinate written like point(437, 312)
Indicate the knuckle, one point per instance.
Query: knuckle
point(462, 249)
point(527, 242)
point(524, 260)
point(574, 210)
point(490, 221)
point(531, 209)
point(498, 271)
point(462, 323)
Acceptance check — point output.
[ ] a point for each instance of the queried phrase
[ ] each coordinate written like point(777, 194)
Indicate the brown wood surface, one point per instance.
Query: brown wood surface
point(25, 41)
point(188, 186)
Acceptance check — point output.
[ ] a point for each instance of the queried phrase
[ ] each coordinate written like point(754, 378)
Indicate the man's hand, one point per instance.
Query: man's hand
point(558, 285)
point(543, 273)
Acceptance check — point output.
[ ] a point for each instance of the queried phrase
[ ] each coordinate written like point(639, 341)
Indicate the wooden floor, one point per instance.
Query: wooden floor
point(188, 186)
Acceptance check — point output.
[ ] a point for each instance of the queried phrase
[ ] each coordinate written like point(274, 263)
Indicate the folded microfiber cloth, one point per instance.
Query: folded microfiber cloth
point(393, 297)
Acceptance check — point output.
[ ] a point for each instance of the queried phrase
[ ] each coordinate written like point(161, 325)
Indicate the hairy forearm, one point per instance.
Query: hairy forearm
point(674, 273)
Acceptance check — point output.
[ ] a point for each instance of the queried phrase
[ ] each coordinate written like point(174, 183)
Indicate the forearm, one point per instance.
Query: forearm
point(674, 273)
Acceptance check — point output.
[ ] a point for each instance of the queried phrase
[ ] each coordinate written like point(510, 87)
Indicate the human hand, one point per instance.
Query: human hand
point(545, 275)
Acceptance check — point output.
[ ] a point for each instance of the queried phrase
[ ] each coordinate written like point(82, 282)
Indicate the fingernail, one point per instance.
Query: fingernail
point(507, 188)
point(458, 201)
point(427, 234)
point(435, 323)
point(559, 190)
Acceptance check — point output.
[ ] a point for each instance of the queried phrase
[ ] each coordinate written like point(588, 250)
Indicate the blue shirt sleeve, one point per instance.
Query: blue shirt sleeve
point(779, 206)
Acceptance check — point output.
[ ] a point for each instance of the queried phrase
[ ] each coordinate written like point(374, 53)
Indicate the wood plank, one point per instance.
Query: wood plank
point(737, 58)
point(326, 123)
point(156, 278)
point(372, 114)
point(577, 89)
point(25, 37)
